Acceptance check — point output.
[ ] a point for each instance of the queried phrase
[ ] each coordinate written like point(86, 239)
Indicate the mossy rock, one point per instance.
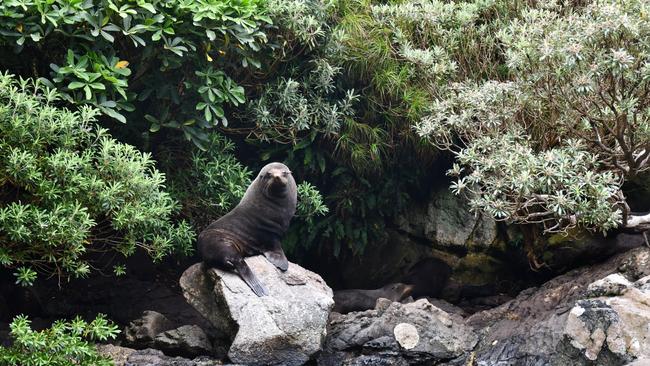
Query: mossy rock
point(478, 269)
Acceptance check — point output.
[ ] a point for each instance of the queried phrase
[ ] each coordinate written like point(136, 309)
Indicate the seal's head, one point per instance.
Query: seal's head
point(397, 291)
point(276, 180)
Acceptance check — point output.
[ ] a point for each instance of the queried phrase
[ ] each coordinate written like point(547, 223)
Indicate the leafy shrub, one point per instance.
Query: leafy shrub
point(343, 94)
point(208, 183)
point(291, 108)
point(310, 202)
point(554, 144)
point(167, 58)
point(63, 344)
point(300, 22)
point(67, 186)
point(407, 52)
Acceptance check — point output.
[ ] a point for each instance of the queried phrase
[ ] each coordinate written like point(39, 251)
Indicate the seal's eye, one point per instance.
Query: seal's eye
point(286, 173)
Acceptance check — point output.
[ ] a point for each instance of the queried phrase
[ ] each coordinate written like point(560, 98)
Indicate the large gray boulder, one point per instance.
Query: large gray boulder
point(395, 334)
point(286, 328)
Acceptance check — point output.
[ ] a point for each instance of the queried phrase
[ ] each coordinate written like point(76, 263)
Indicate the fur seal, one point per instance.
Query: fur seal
point(346, 301)
point(255, 226)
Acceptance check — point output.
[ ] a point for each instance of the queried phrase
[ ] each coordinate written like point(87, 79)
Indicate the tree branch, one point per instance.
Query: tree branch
point(638, 223)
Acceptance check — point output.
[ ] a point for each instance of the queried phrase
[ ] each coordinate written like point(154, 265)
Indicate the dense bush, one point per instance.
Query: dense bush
point(63, 344)
point(543, 104)
point(344, 102)
point(208, 183)
point(160, 64)
point(66, 186)
point(164, 60)
point(554, 143)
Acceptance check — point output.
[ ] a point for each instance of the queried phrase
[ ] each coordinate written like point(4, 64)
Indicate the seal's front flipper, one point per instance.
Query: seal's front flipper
point(277, 258)
point(251, 280)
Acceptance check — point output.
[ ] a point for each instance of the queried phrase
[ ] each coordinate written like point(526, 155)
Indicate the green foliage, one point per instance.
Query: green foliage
point(67, 186)
point(301, 22)
point(307, 223)
point(144, 56)
point(554, 144)
point(209, 182)
point(564, 180)
point(288, 107)
point(63, 344)
point(119, 270)
point(310, 203)
point(25, 276)
point(343, 102)
point(544, 105)
point(409, 51)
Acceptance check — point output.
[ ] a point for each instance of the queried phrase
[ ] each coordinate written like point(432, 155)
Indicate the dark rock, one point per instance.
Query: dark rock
point(388, 261)
point(186, 341)
point(473, 305)
point(371, 360)
point(428, 277)
point(597, 316)
point(612, 285)
point(118, 354)
point(411, 333)
point(447, 307)
point(643, 283)
point(142, 331)
point(564, 252)
point(589, 316)
point(640, 362)
point(98, 295)
point(287, 327)
point(447, 221)
point(152, 357)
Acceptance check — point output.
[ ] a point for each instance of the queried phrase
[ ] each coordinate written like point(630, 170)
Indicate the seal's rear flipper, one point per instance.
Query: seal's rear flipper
point(277, 258)
point(251, 280)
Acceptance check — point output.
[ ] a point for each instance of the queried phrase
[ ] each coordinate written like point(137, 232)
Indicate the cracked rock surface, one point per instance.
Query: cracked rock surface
point(597, 315)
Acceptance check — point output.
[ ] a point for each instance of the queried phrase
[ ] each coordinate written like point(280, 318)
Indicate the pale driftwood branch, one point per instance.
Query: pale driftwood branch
point(638, 223)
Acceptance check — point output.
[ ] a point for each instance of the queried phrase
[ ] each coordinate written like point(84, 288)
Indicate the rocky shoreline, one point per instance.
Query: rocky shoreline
point(595, 315)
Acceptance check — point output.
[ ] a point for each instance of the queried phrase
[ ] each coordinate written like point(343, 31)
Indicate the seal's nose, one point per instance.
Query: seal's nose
point(278, 178)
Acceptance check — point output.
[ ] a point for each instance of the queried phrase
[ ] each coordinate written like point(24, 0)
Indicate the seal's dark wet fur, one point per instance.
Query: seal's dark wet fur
point(255, 226)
